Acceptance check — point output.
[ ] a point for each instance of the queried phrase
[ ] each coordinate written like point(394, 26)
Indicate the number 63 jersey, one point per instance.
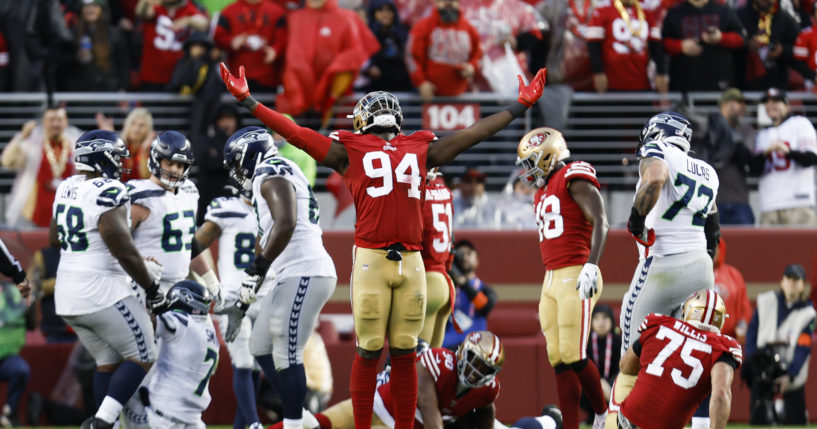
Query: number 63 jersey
point(686, 199)
point(564, 233)
point(676, 361)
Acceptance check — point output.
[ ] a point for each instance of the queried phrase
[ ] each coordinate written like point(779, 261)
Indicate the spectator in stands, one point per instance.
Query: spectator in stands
point(516, 204)
point(805, 53)
point(137, 133)
point(4, 64)
point(13, 368)
point(42, 155)
point(444, 52)
point(474, 299)
point(195, 70)
point(604, 349)
point(167, 24)
point(726, 144)
point(772, 33)
point(101, 60)
point(473, 208)
point(326, 46)
point(784, 321)
point(306, 163)
point(208, 151)
point(701, 38)
point(386, 70)
point(621, 40)
point(253, 34)
point(730, 286)
point(785, 155)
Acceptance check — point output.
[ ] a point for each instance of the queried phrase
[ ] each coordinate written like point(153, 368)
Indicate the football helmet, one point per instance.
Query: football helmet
point(705, 307)
point(242, 152)
point(670, 127)
point(538, 152)
point(189, 297)
point(174, 146)
point(377, 109)
point(101, 152)
point(479, 358)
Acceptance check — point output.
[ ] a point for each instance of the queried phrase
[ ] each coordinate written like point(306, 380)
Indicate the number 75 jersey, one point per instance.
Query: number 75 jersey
point(687, 197)
point(676, 362)
point(387, 182)
point(564, 233)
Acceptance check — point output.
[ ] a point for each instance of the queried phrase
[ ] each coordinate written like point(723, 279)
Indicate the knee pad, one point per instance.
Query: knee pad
point(370, 320)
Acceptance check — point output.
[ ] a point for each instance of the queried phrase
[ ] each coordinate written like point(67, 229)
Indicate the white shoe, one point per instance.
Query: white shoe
point(598, 422)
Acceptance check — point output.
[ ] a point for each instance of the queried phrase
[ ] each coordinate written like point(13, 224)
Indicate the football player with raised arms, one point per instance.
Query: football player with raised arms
point(164, 213)
point(572, 232)
point(384, 170)
point(675, 222)
point(232, 222)
point(91, 216)
point(438, 233)
point(679, 362)
point(291, 245)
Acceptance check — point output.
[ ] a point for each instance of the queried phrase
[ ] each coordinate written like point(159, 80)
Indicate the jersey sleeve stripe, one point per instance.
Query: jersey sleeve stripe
point(150, 193)
point(227, 214)
point(653, 154)
point(431, 364)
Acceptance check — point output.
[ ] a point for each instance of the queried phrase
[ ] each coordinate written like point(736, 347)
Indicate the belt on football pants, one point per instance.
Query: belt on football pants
point(171, 419)
point(393, 251)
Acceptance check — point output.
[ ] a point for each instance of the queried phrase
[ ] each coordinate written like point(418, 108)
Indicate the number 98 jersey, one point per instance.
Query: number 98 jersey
point(564, 233)
point(676, 361)
point(387, 181)
point(686, 199)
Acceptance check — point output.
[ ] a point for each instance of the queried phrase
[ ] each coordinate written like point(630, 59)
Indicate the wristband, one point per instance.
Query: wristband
point(259, 266)
point(637, 220)
point(248, 102)
point(517, 109)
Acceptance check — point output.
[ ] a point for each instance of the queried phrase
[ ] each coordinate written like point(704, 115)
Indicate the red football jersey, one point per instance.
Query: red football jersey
point(442, 365)
point(624, 50)
point(438, 223)
point(805, 48)
point(676, 361)
point(564, 233)
point(161, 46)
point(387, 181)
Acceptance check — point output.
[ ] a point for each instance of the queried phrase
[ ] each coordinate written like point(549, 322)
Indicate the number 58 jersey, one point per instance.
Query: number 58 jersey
point(564, 233)
point(387, 182)
point(686, 199)
point(676, 361)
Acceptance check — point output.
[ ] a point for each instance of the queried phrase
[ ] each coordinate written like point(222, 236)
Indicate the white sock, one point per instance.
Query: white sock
point(547, 422)
point(293, 423)
point(109, 409)
point(700, 423)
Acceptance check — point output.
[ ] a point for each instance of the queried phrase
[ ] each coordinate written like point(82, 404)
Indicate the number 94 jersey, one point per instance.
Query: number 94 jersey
point(676, 361)
point(387, 182)
point(686, 199)
point(564, 233)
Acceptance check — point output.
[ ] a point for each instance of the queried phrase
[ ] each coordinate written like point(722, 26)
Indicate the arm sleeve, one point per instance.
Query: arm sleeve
point(804, 158)
point(9, 265)
point(731, 40)
point(476, 48)
point(751, 337)
point(594, 51)
point(729, 360)
point(712, 230)
point(637, 348)
point(315, 144)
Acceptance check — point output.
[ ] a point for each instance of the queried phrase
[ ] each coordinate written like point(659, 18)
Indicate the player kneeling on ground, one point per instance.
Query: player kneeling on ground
point(678, 363)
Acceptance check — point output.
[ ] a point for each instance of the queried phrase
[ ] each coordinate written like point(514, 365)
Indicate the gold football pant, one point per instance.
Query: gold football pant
point(341, 415)
point(438, 307)
point(388, 296)
point(564, 317)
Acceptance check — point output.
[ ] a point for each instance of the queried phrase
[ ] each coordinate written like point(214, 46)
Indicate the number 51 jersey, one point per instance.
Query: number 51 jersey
point(564, 233)
point(676, 362)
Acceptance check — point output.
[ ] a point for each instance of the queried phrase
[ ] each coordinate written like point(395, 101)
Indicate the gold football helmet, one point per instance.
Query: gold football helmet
point(479, 357)
point(377, 109)
point(706, 307)
point(538, 152)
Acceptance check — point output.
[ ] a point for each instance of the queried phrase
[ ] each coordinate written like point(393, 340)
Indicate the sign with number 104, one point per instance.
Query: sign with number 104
point(449, 117)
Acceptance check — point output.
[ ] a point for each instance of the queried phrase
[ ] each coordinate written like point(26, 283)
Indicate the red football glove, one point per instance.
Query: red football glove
point(236, 85)
point(529, 94)
point(648, 243)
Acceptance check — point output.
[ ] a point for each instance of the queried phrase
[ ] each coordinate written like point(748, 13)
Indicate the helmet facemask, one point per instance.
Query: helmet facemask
point(538, 153)
point(472, 369)
point(377, 110)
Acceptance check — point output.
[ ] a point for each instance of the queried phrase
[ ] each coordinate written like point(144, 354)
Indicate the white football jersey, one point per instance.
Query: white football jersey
point(167, 233)
point(786, 184)
point(188, 355)
point(236, 245)
point(304, 255)
point(89, 278)
point(687, 197)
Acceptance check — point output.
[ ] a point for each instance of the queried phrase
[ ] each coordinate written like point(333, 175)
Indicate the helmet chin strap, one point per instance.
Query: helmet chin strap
point(540, 182)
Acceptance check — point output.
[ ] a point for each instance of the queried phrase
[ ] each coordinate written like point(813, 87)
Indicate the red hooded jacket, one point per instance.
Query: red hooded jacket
point(730, 285)
point(438, 50)
point(320, 43)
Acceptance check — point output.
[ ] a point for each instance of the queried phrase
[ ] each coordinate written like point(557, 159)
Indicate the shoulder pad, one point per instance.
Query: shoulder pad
point(275, 166)
point(141, 190)
point(225, 207)
point(422, 135)
point(340, 135)
point(189, 187)
point(112, 194)
point(653, 149)
point(581, 170)
point(652, 319)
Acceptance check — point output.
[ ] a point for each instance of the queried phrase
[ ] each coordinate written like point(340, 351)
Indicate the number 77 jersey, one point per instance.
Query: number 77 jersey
point(687, 198)
point(676, 361)
point(387, 181)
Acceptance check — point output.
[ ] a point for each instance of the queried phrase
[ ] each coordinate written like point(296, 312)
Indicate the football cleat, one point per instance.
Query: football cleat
point(705, 307)
point(555, 413)
point(538, 152)
point(174, 146)
point(479, 358)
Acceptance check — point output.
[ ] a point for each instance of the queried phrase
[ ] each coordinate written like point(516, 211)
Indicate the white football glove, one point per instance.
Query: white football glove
point(213, 286)
point(154, 268)
point(248, 286)
point(588, 284)
point(234, 317)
